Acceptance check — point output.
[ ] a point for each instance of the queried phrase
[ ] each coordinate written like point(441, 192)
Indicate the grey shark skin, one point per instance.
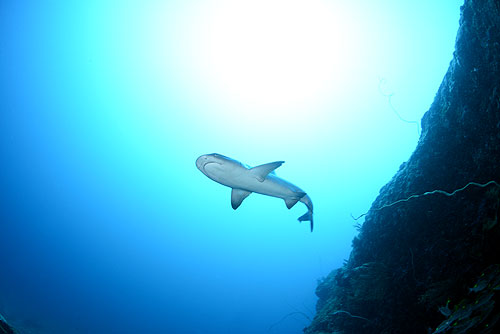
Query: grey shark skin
point(244, 180)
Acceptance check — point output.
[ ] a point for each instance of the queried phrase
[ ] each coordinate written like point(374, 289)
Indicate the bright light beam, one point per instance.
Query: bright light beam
point(275, 54)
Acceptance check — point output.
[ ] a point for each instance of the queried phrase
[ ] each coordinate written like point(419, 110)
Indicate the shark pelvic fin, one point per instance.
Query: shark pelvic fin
point(237, 196)
point(290, 202)
point(260, 172)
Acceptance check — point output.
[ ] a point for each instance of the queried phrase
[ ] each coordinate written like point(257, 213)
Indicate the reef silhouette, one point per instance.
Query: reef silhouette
point(432, 264)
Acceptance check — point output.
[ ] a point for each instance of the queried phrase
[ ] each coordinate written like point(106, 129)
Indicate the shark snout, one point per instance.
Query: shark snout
point(204, 160)
point(201, 161)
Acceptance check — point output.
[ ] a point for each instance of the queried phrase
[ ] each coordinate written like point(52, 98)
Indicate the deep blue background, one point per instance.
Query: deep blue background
point(106, 225)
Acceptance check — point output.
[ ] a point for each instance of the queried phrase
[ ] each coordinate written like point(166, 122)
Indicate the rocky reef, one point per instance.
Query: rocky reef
point(4, 326)
point(431, 264)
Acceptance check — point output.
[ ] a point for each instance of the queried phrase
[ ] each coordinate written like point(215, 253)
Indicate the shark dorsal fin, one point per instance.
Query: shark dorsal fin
point(237, 196)
point(260, 172)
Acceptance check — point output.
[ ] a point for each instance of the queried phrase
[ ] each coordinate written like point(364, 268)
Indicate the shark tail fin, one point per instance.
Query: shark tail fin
point(308, 216)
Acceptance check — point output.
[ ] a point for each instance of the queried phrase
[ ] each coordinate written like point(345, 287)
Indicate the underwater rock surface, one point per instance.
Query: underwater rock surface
point(4, 326)
point(431, 264)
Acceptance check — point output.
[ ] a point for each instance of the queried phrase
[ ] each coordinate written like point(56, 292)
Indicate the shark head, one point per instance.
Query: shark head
point(206, 159)
point(216, 166)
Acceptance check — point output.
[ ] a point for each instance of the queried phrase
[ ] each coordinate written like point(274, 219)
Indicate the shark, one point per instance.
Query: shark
point(244, 180)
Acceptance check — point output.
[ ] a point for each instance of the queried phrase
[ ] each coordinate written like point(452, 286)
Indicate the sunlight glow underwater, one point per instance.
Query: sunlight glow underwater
point(107, 226)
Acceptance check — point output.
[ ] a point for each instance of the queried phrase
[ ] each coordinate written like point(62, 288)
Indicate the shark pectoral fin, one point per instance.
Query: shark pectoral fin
point(237, 196)
point(260, 172)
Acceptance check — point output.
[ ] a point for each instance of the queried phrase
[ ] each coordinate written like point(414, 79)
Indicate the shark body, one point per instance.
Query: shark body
point(244, 180)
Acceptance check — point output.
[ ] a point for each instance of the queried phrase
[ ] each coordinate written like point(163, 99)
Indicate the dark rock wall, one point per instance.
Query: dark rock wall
point(416, 266)
point(4, 326)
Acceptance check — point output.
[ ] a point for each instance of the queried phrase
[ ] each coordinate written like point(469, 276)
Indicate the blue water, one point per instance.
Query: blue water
point(107, 226)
